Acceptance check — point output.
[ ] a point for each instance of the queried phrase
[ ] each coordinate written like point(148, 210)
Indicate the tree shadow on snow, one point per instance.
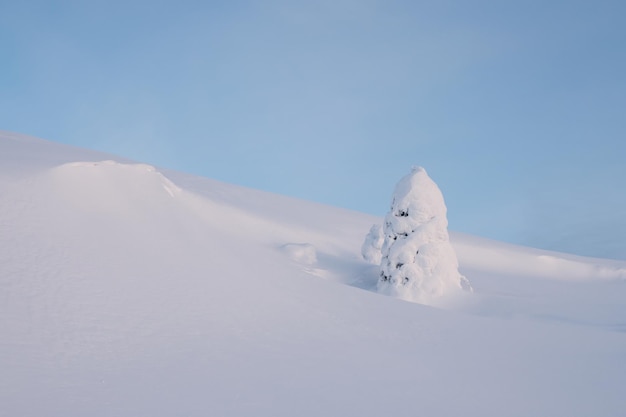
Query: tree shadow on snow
point(347, 270)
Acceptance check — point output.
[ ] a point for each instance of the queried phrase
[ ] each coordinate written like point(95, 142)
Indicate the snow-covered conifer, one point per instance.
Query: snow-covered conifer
point(418, 262)
point(373, 244)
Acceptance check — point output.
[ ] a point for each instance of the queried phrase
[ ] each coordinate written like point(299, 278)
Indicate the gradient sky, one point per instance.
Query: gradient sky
point(517, 109)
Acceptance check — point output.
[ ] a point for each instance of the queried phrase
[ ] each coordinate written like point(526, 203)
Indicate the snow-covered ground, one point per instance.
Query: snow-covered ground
point(127, 290)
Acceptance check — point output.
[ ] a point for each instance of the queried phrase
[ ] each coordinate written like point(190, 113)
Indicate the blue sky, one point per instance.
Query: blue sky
point(517, 109)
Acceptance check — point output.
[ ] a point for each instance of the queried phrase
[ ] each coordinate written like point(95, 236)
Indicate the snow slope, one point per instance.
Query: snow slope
point(127, 290)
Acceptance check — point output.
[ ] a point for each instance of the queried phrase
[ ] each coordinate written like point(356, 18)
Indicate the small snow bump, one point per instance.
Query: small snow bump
point(303, 253)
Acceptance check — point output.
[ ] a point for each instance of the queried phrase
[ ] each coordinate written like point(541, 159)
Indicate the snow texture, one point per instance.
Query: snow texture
point(418, 262)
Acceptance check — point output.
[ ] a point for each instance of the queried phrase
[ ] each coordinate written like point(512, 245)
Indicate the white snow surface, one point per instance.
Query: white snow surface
point(418, 262)
point(127, 290)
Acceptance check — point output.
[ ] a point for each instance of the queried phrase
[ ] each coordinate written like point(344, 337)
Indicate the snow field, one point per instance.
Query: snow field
point(128, 290)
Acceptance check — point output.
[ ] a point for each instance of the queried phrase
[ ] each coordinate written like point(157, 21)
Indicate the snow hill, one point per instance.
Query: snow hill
point(127, 290)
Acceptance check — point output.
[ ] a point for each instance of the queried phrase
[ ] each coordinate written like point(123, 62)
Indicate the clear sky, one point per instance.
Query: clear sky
point(517, 109)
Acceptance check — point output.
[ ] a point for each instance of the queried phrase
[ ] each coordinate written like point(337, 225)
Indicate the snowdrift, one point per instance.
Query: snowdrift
point(129, 290)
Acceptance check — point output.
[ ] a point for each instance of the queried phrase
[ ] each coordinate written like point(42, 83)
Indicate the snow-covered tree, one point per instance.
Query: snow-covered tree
point(371, 249)
point(418, 262)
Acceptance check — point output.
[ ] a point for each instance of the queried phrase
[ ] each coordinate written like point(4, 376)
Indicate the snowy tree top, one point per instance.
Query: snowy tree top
point(418, 197)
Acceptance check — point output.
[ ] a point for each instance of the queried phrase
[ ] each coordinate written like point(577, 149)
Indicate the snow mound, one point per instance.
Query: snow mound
point(418, 261)
point(105, 176)
point(371, 248)
point(480, 254)
point(109, 188)
point(578, 270)
point(303, 253)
